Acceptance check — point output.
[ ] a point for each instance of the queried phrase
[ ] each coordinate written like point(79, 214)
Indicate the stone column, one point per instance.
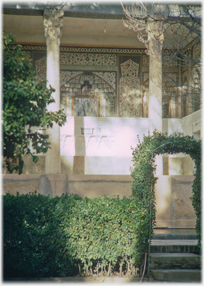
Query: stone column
point(154, 30)
point(52, 23)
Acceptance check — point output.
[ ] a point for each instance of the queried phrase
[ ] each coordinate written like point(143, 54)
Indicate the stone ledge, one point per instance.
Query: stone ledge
point(177, 275)
point(94, 279)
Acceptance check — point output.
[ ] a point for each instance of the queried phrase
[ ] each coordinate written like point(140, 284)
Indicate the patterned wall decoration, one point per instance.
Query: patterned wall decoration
point(109, 77)
point(169, 61)
point(170, 94)
point(88, 59)
point(103, 83)
point(145, 90)
point(186, 97)
point(89, 85)
point(166, 102)
point(28, 55)
point(145, 60)
point(196, 86)
point(88, 50)
point(191, 89)
point(66, 76)
point(96, 57)
point(40, 66)
point(40, 69)
point(170, 97)
point(130, 96)
point(170, 83)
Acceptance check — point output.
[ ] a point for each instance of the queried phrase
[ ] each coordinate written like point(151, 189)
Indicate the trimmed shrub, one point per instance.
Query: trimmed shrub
point(34, 242)
point(104, 233)
point(67, 235)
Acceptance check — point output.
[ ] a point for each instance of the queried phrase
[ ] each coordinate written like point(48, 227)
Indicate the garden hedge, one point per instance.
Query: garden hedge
point(68, 235)
point(144, 167)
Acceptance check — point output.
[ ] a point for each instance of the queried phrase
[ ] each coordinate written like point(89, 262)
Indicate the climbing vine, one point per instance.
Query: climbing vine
point(143, 185)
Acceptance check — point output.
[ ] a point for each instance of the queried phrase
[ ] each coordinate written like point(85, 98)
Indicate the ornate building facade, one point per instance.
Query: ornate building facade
point(112, 92)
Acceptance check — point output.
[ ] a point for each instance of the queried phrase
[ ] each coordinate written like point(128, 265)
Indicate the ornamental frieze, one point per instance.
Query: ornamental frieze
point(88, 59)
point(86, 50)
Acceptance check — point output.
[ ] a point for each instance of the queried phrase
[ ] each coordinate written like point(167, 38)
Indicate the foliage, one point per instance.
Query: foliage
point(34, 244)
point(60, 236)
point(144, 168)
point(24, 106)
point(105, 232)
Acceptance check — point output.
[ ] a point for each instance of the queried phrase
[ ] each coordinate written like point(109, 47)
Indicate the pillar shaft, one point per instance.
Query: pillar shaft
point(52, 25)
point(155, 41)
point(154, 30)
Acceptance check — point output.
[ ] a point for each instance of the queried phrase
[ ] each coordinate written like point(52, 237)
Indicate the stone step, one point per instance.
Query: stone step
point(175, 236)
point(174, 245)
point(176, 275)
point(174, 249)
point(175, 261)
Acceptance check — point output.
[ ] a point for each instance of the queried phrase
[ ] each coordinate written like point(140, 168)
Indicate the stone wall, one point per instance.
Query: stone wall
point(174, 208)
point(56, 185)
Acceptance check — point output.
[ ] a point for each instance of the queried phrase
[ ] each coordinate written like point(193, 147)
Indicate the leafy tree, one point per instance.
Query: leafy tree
point(24, 107)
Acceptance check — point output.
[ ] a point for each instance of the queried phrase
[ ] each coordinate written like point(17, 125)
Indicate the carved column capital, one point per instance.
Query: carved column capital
point(53, 22)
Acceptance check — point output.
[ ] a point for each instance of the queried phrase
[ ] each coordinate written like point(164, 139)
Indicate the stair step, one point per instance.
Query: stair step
point(174, 257)
point(174, 242)
point(174, 245)
point(174, 248)
point(176, 275)
point(175, 236)
point(175, 261)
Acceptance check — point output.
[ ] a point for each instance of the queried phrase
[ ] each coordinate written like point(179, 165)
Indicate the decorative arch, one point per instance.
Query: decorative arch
point(88, 93)
point(143, 186)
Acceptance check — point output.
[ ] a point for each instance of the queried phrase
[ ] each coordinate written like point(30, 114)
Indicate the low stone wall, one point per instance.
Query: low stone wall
point(56, 185)
point(173, 204)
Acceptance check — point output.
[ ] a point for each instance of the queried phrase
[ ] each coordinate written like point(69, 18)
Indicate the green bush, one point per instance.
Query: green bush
point(34, 243)
point(144, 168)
point(66, 235)
point(104, 231)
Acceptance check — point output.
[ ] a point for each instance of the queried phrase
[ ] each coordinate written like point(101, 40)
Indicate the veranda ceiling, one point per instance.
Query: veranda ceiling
point(89, 25)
